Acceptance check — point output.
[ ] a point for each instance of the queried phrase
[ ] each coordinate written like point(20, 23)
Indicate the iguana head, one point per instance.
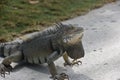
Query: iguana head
point(72, 41)
point(72, 34)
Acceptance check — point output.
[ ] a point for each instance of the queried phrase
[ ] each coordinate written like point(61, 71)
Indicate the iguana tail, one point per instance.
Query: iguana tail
point(7, 48)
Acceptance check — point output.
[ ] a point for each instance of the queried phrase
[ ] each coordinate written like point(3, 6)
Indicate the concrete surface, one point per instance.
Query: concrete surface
point(102, 46)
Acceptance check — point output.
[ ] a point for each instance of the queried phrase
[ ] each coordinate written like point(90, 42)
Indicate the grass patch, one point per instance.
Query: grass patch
point(20, 16)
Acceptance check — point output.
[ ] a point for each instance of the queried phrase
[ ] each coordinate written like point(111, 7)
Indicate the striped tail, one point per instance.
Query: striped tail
point(8, 48)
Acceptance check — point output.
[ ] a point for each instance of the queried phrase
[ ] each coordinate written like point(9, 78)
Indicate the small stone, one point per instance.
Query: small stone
point(105, 63)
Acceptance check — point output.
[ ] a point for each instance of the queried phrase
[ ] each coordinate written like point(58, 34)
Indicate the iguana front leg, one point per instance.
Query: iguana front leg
point(5, 65)
point(52, 67)
point(67, 61)
point(54, 73)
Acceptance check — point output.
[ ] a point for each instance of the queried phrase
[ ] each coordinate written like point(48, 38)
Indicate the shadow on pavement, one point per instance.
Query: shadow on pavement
point(40, 68)
point(44, 69)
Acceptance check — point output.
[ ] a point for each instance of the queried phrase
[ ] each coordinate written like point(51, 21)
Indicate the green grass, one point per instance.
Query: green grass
point(19, 16)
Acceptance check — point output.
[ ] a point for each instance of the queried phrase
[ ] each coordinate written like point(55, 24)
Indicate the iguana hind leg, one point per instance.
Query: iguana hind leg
point(5, 65)
point(67, 61)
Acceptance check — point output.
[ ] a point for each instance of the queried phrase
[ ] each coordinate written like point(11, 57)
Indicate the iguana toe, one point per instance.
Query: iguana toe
point(69, 64)
point(76, 62)
point(61, 76)
point(73, 63)
point(5, 70)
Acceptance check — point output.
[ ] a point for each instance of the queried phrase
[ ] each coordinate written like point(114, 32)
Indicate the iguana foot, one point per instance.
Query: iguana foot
point(73, 63)
point(61, 76)
point(76, 62)
point(5, 70)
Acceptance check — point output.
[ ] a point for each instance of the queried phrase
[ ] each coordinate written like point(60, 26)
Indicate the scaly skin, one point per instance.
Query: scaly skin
point(45, 47)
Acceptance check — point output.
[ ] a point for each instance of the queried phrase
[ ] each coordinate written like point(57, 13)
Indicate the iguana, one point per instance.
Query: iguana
point(44, 47)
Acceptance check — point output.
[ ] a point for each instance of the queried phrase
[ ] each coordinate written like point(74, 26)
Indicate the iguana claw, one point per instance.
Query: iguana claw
point(73, 63)
point(5, 70)
point(76, 62)
point(62, 76)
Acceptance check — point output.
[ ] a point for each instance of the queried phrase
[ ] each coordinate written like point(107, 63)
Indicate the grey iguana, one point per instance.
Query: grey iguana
point(44, 47)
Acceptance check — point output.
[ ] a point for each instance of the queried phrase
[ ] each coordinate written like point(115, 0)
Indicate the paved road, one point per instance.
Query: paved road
point(102, 46)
